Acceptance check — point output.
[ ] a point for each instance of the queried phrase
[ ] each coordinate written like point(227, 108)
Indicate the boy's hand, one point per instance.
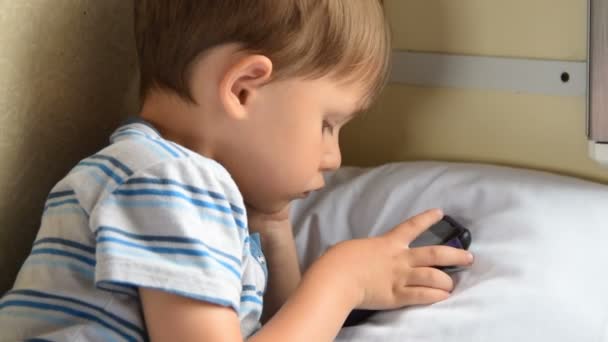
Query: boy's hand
point(388, 274)
point(279, 248)
point(261, 222)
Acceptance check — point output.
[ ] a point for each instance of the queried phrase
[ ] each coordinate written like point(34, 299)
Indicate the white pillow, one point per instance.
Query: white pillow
point(539, 240)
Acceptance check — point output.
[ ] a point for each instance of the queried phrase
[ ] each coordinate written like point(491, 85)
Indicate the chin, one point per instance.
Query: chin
point(269, 208)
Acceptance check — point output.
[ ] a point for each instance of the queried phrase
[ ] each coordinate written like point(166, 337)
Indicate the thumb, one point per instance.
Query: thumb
point(409, 230)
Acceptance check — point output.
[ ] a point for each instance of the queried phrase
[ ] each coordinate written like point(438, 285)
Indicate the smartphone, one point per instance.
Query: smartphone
point(447, 232)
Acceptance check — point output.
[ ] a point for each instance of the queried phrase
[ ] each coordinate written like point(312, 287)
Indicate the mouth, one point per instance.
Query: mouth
point(304, 194)
point(307, 193)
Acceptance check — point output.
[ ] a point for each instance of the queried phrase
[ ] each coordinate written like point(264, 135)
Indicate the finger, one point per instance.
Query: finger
point(418, 295)
point(410, 229)
point(430, 277)
point(439, 256)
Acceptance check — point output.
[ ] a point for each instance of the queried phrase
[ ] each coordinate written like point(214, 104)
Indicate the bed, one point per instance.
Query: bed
point(505, 149)
point(538, 239)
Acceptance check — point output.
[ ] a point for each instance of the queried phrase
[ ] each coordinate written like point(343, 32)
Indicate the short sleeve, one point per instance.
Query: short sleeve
point(179, 227)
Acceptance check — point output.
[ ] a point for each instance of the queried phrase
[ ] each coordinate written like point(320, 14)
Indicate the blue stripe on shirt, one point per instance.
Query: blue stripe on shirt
point(95, 176)
point(102, 181)
point(171, 193)
point(204, 298)
point(205, 215)
point(247, 288)
point(40, 294)
point(66, 242)
point(103, 168)
point(118, 288)
point(157, 260)
point(114, 162)
point(191, 188)
point(167, 238)
point(66, 211)
point(176, 194)
point(59, 252)
point(68, 311)
point(155, 136)
point(181, 149)
point(169, 250)
point(60, 203)
point(29, 314)
point(132, 123)
point(128, 131)
point(105, 334)
point(251, 299)
point(87, 273)
point(60, 194)
point(140, 137)
point(132, 131)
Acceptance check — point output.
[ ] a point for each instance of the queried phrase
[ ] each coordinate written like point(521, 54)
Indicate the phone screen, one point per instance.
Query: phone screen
point(442, 233)
point(443, 230)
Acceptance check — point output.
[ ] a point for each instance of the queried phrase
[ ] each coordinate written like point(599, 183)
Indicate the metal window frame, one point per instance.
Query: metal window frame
point(597, 111)
point(597, 71)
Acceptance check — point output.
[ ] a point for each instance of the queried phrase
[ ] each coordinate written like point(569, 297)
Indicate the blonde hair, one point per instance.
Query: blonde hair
point(348, 40)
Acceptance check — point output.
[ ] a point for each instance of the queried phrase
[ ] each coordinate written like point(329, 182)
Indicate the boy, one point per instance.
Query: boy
point(243, 101)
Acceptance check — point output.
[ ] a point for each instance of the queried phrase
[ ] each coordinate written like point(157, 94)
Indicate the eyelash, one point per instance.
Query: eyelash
point(328, 127)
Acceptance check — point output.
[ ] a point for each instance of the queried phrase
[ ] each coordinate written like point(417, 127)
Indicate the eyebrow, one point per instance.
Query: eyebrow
point(343, 119)
point(353, 115)
point(360, 108)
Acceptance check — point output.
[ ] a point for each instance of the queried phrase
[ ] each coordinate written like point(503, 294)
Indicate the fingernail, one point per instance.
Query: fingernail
point(471, 257)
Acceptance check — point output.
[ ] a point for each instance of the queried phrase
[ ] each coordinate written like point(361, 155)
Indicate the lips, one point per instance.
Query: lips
point(306, 193)
point(303, 195)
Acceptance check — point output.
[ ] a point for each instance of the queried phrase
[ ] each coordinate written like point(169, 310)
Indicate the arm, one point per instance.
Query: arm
point(279, 249)
point(321, 298)
point(373, 273)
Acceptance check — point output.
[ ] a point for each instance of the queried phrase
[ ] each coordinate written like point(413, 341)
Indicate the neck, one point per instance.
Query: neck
point(179, 121)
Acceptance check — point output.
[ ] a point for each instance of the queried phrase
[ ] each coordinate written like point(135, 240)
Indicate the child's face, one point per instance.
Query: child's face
point(289, 139)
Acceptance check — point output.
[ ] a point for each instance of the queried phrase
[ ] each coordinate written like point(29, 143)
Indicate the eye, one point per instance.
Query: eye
point(328, 127)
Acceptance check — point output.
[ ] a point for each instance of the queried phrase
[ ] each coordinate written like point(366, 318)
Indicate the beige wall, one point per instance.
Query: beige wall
point(551, 29)
point(65, 71)
point(543, 132)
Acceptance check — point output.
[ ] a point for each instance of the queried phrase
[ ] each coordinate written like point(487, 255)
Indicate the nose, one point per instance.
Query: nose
point(332, 157)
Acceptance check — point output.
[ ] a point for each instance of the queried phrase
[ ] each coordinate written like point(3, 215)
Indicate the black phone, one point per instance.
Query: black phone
point(447, 232)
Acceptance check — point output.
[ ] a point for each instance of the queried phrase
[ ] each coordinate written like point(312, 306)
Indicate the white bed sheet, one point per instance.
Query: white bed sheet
point(539, 241)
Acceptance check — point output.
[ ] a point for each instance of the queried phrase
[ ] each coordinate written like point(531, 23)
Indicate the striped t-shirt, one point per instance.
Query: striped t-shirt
point(143, 212)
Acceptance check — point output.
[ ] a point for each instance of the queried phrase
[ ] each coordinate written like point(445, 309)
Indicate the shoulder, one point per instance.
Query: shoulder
point(138, 158)
point(154, 160)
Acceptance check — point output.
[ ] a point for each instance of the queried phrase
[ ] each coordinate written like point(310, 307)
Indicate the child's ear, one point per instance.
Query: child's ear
point(242, 81)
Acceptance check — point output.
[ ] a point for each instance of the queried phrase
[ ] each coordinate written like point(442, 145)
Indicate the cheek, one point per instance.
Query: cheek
point(309, 142)
point(301, 153)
